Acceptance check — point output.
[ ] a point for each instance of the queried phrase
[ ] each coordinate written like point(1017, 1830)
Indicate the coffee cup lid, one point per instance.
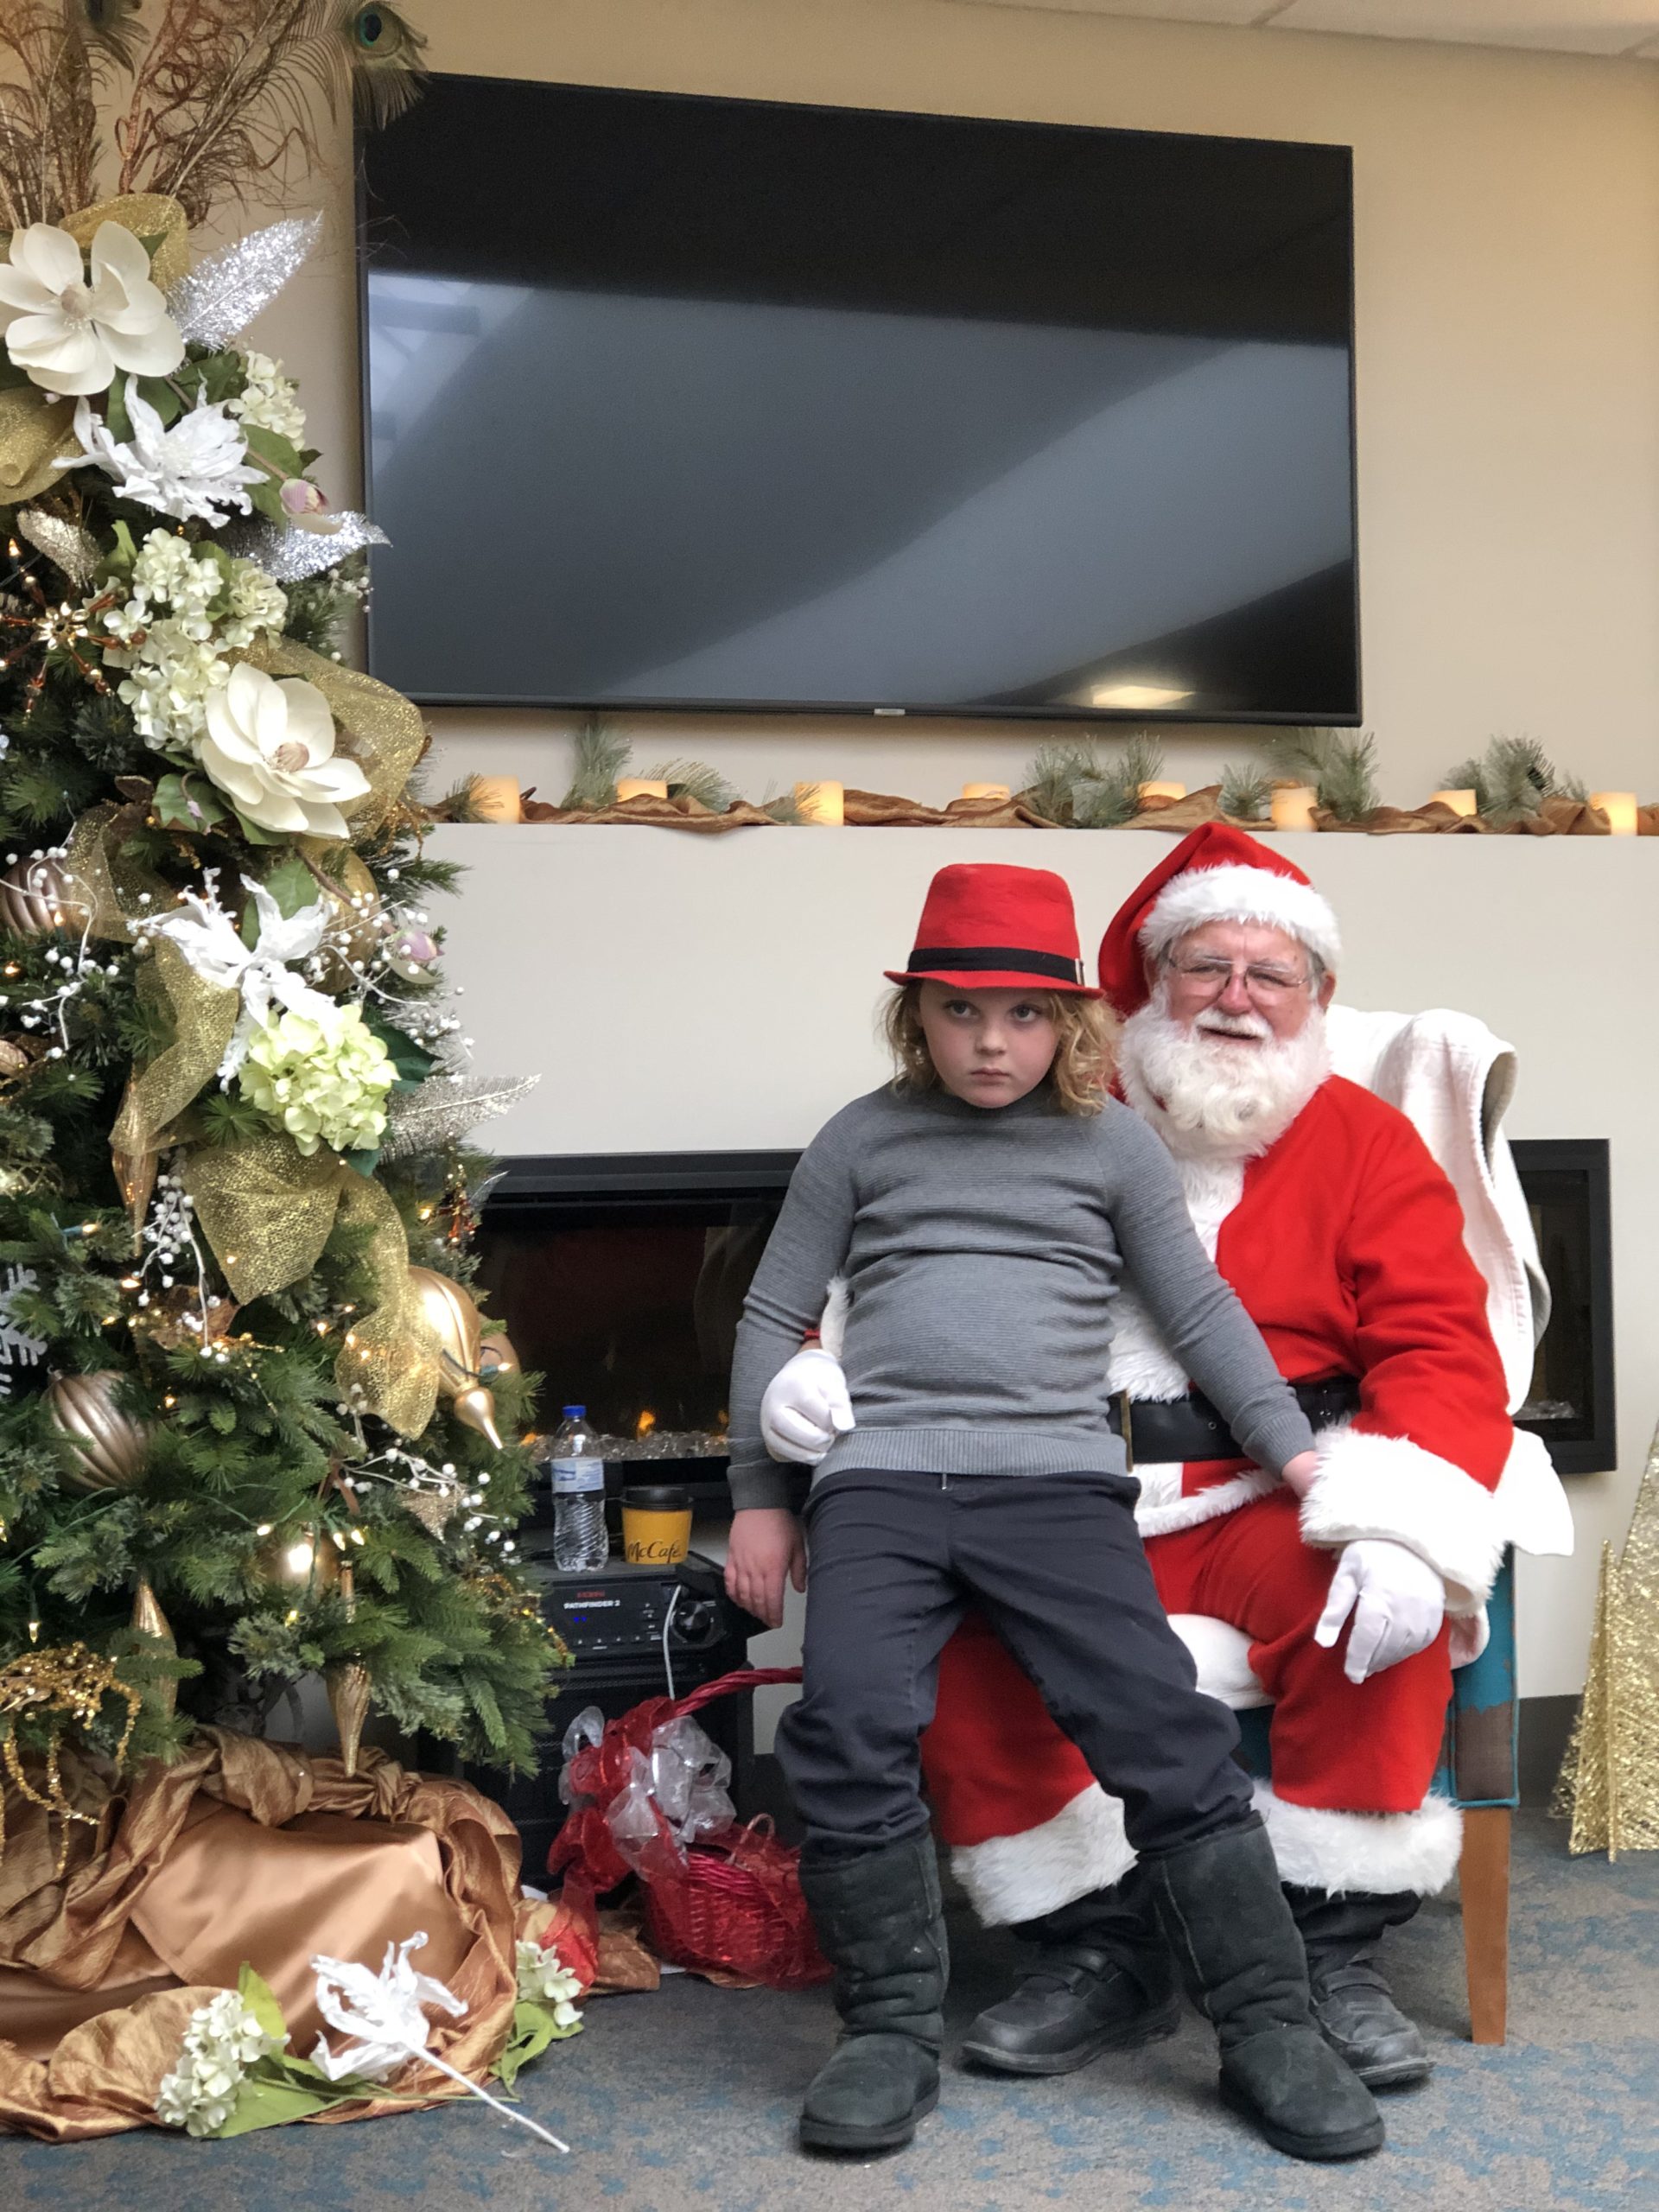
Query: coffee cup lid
point(657, 1497)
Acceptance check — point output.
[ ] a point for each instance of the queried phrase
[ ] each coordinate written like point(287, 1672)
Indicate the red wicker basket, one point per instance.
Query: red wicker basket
point(739, 1909)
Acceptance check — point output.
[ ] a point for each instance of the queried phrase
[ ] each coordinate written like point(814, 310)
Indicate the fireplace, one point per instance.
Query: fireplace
point(619, 1278)
point(1570, 1404)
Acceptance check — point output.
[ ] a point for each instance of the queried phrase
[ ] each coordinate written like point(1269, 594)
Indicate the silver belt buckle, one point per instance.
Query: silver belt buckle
point(1125, 1428)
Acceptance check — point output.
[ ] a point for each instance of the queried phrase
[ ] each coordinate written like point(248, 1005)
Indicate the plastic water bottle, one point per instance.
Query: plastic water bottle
point(578, 1474)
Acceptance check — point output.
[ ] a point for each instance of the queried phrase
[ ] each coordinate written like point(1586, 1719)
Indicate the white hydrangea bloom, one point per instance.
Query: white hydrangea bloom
point(543, 1981)
point(323, 1076)
point(186, 610)
point(222, 2041)
point(271, 400)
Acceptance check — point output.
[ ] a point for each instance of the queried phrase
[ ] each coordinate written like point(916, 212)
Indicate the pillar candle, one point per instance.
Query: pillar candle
point(1292, 806)
point(640, 787)
point(1459, 801)
point(1619, 807)
point(1159, 790)
point(495, 799)
point(985, 790)
point(821, 803)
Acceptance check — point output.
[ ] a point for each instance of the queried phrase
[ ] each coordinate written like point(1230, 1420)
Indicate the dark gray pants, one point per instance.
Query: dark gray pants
point(1056, 1564)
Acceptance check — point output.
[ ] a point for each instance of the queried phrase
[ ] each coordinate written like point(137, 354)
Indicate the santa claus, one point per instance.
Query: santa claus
point(1324, 1209)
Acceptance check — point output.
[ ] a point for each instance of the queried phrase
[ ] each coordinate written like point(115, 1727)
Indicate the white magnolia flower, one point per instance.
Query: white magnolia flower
point(270, 746)
point(71, 333)
point(194, 472)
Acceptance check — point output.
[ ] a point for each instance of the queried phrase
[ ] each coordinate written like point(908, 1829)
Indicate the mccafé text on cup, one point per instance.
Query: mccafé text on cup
point(656, 1525)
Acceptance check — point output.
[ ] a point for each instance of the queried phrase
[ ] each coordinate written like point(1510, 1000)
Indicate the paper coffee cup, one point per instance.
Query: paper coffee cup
point(656, 1525)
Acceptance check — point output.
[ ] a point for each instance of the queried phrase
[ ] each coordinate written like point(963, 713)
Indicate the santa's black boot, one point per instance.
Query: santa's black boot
point(1236, 1948)
point(1102, 1981)
point(880, 1925)
point(1353, 2001)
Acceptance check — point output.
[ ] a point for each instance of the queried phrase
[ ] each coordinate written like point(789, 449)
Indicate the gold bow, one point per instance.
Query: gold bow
point(268, 1211)
point(202, 1017)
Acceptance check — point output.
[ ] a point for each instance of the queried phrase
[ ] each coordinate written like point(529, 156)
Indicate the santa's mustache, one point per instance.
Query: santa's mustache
point(1233, 1025)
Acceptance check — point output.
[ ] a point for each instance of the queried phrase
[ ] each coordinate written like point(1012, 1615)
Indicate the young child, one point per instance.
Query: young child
point(980, 1209)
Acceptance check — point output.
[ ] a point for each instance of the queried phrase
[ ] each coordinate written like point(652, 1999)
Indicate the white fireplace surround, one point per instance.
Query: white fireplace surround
point(683, 993)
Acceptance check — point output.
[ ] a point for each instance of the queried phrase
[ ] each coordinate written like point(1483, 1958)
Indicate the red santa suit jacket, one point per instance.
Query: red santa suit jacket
point(1344, 1241)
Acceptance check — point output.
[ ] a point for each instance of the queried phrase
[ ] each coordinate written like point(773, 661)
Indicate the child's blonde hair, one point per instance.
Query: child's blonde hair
point(1082, 1067)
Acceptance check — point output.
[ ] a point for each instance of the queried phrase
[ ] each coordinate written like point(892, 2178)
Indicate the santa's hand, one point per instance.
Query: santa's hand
point(1397, 1600)
point(806, 1408)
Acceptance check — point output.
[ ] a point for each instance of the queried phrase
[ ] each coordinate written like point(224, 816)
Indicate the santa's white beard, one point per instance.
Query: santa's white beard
point(1209, 1098)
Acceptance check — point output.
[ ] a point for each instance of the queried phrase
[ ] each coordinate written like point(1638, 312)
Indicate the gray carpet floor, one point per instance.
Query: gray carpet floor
point(683, 2101)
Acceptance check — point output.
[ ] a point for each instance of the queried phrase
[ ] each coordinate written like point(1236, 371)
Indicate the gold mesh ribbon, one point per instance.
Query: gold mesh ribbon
point(267, 1210)
point(111, 882)
point(150, 215)
point(35, 430)
point(202, 1015)
point(385, 732)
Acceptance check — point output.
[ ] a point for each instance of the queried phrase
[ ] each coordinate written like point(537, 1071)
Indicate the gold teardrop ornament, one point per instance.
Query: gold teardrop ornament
point(110, 1448)
point(149, 1620)
point(350, 1695)
point(475, 1409)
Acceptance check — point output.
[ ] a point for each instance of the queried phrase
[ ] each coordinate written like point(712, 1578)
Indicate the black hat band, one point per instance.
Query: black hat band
point(991, 959)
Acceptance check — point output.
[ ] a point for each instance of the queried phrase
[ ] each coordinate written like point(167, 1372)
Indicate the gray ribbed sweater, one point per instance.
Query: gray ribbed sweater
point(981, 1248)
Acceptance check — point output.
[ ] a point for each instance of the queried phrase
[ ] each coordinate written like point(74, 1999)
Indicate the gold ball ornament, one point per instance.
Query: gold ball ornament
point(39, 896)
point(110, 1448)
point(303, 1561)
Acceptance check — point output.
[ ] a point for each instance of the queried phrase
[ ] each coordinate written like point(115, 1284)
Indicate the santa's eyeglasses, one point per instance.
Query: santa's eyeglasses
point(1265, 984)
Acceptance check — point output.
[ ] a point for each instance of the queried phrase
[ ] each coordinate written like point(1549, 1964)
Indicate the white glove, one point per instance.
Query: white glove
point(1398, 1602)
point(806, 1408)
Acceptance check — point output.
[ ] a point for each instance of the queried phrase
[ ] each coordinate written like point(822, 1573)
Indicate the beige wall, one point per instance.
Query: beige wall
point(1507, 215)
point(690, 993)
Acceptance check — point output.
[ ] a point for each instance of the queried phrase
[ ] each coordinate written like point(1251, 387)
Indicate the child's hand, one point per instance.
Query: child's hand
point(1300, 1470)
point(766, 1545)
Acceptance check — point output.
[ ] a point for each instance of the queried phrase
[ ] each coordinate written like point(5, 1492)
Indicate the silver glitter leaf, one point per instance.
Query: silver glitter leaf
point(221, 296)
point(439, 1113)
point(289, 555)
point(74, 549)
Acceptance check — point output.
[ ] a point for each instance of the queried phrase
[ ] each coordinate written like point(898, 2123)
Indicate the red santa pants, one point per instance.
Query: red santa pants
point(997, 1765)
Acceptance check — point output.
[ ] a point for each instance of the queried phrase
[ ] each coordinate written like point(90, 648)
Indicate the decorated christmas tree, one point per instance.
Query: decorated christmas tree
point(255, 1426)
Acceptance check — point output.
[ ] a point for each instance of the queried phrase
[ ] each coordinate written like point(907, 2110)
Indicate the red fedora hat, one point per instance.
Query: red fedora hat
point(990, 928)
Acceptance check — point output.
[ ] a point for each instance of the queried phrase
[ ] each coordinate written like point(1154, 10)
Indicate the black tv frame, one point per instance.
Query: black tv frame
point(1102, 717)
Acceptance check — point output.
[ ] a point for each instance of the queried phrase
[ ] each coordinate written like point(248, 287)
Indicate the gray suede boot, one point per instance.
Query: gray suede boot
point(1102, 1981)
point(880, 1925)
point(1237, 1950)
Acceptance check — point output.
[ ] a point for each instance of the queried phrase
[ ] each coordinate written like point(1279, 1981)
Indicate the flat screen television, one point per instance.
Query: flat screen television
point(730, 404)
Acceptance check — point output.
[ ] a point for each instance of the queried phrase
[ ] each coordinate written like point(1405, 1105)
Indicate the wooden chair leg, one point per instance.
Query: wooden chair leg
point(1483, 1878)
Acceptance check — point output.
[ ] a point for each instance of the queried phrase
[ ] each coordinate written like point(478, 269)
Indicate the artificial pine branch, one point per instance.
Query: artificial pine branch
point(600, 756)
point(695, 779)
point(1245, 794)
point(1068, 783)
point(1341, 768)
point(1511, 779)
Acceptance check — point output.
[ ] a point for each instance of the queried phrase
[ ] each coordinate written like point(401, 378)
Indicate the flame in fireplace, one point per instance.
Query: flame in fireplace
point(645, 1423)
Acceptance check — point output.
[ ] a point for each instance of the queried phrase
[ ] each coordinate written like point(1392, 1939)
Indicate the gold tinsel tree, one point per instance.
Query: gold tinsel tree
point(1609, 1784)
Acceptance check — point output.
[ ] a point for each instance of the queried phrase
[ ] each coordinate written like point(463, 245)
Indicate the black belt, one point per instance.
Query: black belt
point(1190, 1429)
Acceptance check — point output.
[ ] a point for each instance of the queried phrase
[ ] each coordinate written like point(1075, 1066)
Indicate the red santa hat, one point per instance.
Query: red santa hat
point(1217, 875)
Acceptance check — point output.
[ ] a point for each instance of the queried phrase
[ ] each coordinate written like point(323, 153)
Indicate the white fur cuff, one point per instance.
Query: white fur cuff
point(1374, 1853)
point(1015, 1877)
point(1387, 1486)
